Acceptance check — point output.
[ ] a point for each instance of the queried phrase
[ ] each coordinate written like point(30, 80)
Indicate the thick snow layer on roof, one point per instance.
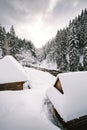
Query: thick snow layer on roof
point(11, 70)
point(24, 110)
point(72, 104)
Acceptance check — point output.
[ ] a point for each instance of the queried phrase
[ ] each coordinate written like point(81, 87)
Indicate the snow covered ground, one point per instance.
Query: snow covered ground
point(48, 65)
point(23, 110)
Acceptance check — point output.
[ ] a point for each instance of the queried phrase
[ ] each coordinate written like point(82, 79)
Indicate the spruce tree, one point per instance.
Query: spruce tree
point(6, 48)
point(73, 43)
point(2, 36)
point(85, 58)
point(12, 31)
point(3, 41)
point(13, 42)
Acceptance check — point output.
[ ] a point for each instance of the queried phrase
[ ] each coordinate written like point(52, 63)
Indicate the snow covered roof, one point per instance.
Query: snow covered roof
point(11, 70)
point(72, 104)
point(73, 80)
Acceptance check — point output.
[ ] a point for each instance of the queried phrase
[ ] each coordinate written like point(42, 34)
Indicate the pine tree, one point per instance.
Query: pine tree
point(3, 41)
point(61, 50)
point(2, 37)
point(6, 48)
point(12, 31)
point(13, 42)
point(85, 58)
point(64, 63)
point(73, 43)
point(85, 26)
point(58, 49)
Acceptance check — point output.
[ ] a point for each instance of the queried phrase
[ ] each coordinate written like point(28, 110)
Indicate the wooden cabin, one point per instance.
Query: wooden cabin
point(68, 97)
point(12, 74)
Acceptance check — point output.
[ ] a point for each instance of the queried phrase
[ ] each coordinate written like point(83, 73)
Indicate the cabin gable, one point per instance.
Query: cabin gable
point(58, 86)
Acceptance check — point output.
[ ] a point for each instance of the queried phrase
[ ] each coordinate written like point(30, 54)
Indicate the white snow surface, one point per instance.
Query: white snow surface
point(48, 65)
point(11, 70)
point(24, 110)
point(72, 104)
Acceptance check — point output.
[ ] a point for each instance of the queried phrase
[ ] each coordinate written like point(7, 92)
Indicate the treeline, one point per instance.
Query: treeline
point(69, 47)
point(10, 44)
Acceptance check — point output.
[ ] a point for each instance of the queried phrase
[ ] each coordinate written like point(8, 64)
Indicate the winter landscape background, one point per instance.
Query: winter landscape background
point(67, 51)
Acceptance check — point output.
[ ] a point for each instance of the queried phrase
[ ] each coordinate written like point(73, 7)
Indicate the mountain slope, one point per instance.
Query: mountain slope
point(69, 47)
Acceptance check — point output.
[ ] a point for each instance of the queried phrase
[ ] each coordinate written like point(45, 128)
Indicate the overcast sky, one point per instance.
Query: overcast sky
point(38, 20)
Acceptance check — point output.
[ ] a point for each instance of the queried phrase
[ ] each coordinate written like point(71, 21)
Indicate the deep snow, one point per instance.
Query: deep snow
point(23, 110)
point(11, 70)
point(72, 104)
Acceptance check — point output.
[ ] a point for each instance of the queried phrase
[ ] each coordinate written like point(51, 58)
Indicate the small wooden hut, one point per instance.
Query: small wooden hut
point(12, 74)
point(68, 97)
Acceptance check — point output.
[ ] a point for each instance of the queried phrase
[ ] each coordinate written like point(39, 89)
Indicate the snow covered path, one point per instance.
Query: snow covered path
point(23, 110)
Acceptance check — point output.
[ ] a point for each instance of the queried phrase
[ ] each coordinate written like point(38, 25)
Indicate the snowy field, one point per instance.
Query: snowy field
point(24, 110)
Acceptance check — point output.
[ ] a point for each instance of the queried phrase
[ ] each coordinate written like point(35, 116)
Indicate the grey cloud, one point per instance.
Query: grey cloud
point(22, 11)
point(67, 9)
point(35, 5)
point(68, 6)
point(17, 10)
point(62, 7)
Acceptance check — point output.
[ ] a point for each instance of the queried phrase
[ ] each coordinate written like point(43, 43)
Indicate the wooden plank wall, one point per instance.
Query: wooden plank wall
point(12, 86)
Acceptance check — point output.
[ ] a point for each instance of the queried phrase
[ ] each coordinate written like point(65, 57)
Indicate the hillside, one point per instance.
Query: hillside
point(68, 49)
point(23, 50)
